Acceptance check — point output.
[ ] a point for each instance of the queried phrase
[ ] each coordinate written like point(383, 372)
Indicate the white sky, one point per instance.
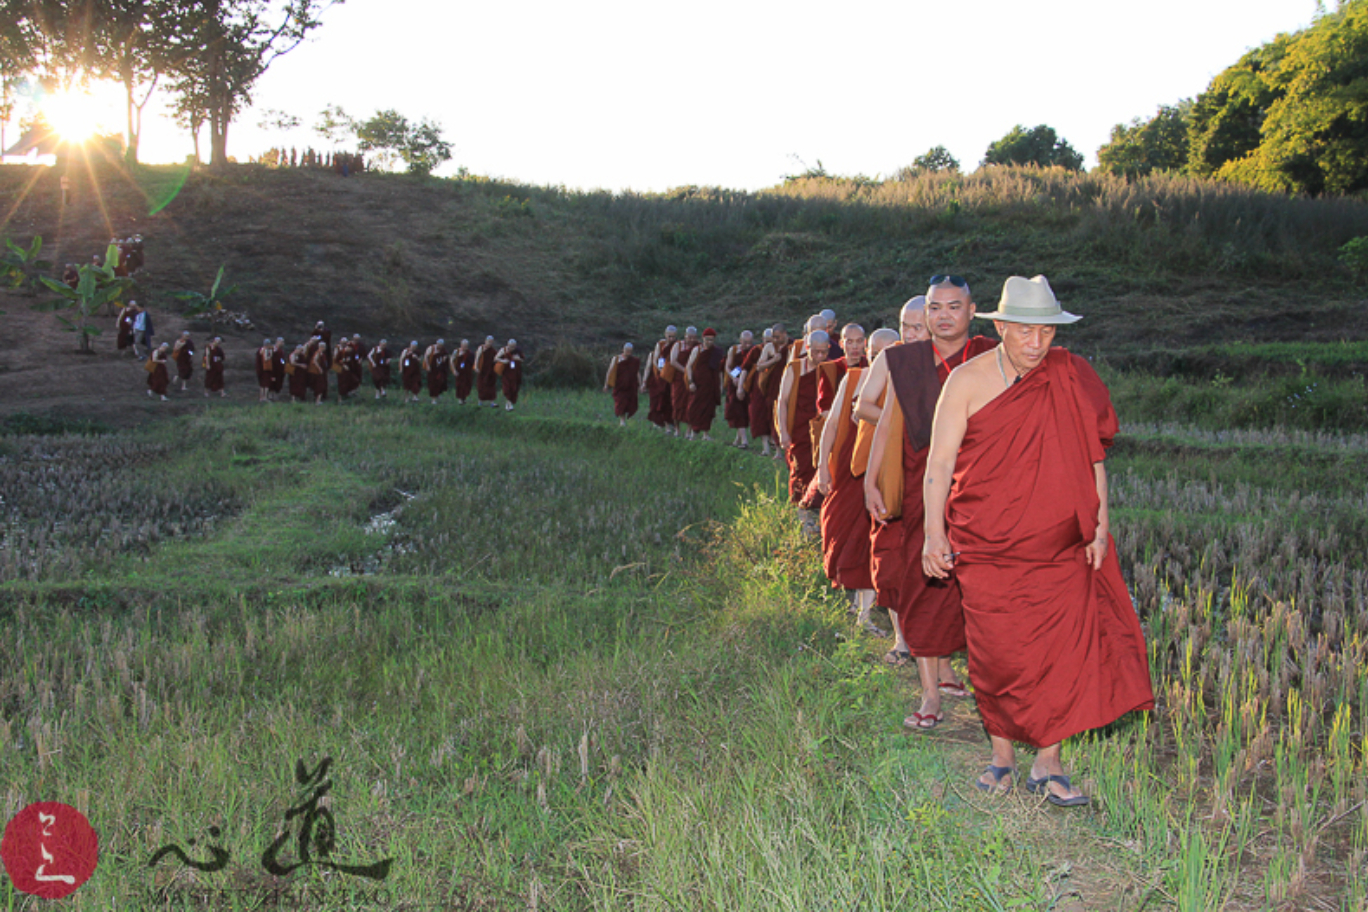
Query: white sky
point(648, 96)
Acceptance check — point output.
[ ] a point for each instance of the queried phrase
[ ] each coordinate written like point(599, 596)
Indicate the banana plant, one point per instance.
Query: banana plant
point(21, 266)
point(201, 303)
point(97, 287)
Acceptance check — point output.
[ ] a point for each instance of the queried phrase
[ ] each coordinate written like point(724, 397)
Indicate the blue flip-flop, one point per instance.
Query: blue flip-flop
point(1041, 786)
point(998, 773)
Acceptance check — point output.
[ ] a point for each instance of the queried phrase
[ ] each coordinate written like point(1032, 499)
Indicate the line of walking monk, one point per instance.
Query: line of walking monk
point(960, 483)
point(488, 370)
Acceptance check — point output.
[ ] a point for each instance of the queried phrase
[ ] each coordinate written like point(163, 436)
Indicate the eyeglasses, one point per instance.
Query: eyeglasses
point(957, 281)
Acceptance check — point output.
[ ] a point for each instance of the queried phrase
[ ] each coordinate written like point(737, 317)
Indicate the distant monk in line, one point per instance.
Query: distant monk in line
point(837, 349)
point(486, 379)
point(795, 409)
point(845, 522)
point(511, 357)
point(1016, 510)
point(124, 324)
point(325, 336)
point(623, 381)
point(278, 357)
point(656, 382)
point(436, 362)
point(764, 390)
point(347, 383)
point(355, 355)
point(379, 360)
point(463, 369)
point(183, 353)
point(679, 381)
point(734, 410)
point(157, 377)
point(297, 367)
point(705, 377)
point(928, 610)
point(411, 371)
point(318, 369)
point(213, 367)
point(261, 363)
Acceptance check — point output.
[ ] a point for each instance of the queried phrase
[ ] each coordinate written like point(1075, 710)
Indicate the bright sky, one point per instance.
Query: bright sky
point(617, 95)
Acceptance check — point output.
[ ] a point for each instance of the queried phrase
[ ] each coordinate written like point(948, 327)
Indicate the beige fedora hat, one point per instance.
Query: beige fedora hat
point(1029, 301)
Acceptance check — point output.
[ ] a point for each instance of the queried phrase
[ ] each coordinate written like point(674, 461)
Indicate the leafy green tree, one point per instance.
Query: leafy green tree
point(391, 138)
point(1142, 147)
point(334, 125)
point(197, 303)
point(97, 287)
point(22, 266)
point(937, 158)
point(1039, 146)
point(1226, 120)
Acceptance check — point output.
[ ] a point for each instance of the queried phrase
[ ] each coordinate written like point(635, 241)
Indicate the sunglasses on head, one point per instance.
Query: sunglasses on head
point(957, 281)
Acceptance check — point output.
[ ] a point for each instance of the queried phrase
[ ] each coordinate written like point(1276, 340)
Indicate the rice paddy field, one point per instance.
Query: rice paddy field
point(546, 663)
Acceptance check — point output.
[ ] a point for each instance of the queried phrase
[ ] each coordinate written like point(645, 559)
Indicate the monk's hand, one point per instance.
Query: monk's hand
point(785, 441)
point(937, 560)
point(824, 480)
point(875, 505)
point(1096, 552)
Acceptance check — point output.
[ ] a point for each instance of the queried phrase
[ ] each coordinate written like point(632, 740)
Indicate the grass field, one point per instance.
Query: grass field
point(559, 665)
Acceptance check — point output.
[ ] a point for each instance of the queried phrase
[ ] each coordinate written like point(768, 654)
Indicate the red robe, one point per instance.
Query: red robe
point(1055, 647)
point(928, 609)
point(185, 360)
point(625, 382)
point(348, 381)
point(158, 379)
point(213, 369)
point(801, 469)
point(659, 411)
point(411, 372)
point(679, 388)
point(439, 365)
point(845, 521)
point(125, 330)
point(380, 369)
point(736, 411)
point(757, 408)
point(261, 361)
point(299, 380)
point(277, 370)
point(486, 381)
point(512, 375)
point(463, 366)
point(707, 392)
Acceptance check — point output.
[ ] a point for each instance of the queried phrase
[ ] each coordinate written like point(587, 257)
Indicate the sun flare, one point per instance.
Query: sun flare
point(77, 114)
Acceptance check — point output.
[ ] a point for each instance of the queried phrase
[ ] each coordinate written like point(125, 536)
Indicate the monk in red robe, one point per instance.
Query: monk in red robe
point(325, 336)
point(844, 521)
point(486, 380)
point(157, 377)
point(1016, 510)
point(354, 358)
point(928, 610)
point(124, 323)
point(795, 409)
point(411, 371)
point(705, 377)
point(436, 361)
point(735, 411)
point(183, 354)
point(297, 367)
point(318, 369)
point(463, 371)
point(679, 380)
point(261, 363)
point(214, 359)
point(660, 411)
point(766, 376)
point(511, 357)
point(622, 382)
point(379, 360)
point(278, 357)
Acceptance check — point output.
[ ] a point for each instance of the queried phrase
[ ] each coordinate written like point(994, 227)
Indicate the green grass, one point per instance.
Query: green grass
point(593, 668)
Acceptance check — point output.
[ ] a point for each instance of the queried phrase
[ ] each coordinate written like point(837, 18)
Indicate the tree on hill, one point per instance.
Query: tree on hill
point(1143, 147)
point(1039, 145)
point(1226, 120)
point(392, 138)
point(937, 158)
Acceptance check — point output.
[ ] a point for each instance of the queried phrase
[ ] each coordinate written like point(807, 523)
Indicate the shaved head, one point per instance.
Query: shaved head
point(853, 341)
point(747, 335)
point(881, 339)
point(913, 320)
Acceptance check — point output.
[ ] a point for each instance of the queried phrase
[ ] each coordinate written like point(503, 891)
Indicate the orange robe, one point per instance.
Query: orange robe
point(625, 382)
point(1055, 647)
point(158, 379)
point(801, 469)
point(679, 387)
point(845, 522)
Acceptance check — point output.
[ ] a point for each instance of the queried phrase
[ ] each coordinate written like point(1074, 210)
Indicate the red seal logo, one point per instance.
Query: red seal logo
point(49, 849)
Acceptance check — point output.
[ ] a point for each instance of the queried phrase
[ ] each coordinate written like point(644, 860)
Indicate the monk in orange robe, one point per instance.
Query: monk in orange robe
point(379, 360)
point(183, 354)
point(622, 382)
point(795, 409)
point(486, 380)
point(660, 411)
point(214, 359)
point(705, 376)
point(511, 357)
point(411, 371)
point(1016, 511)
point(679, 383)
point(927, 610)
point(734, 410)
point(157, 377)
point(463, 370)
point(844, 521)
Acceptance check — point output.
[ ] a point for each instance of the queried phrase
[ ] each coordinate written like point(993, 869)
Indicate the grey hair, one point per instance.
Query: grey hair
point(691, 331)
